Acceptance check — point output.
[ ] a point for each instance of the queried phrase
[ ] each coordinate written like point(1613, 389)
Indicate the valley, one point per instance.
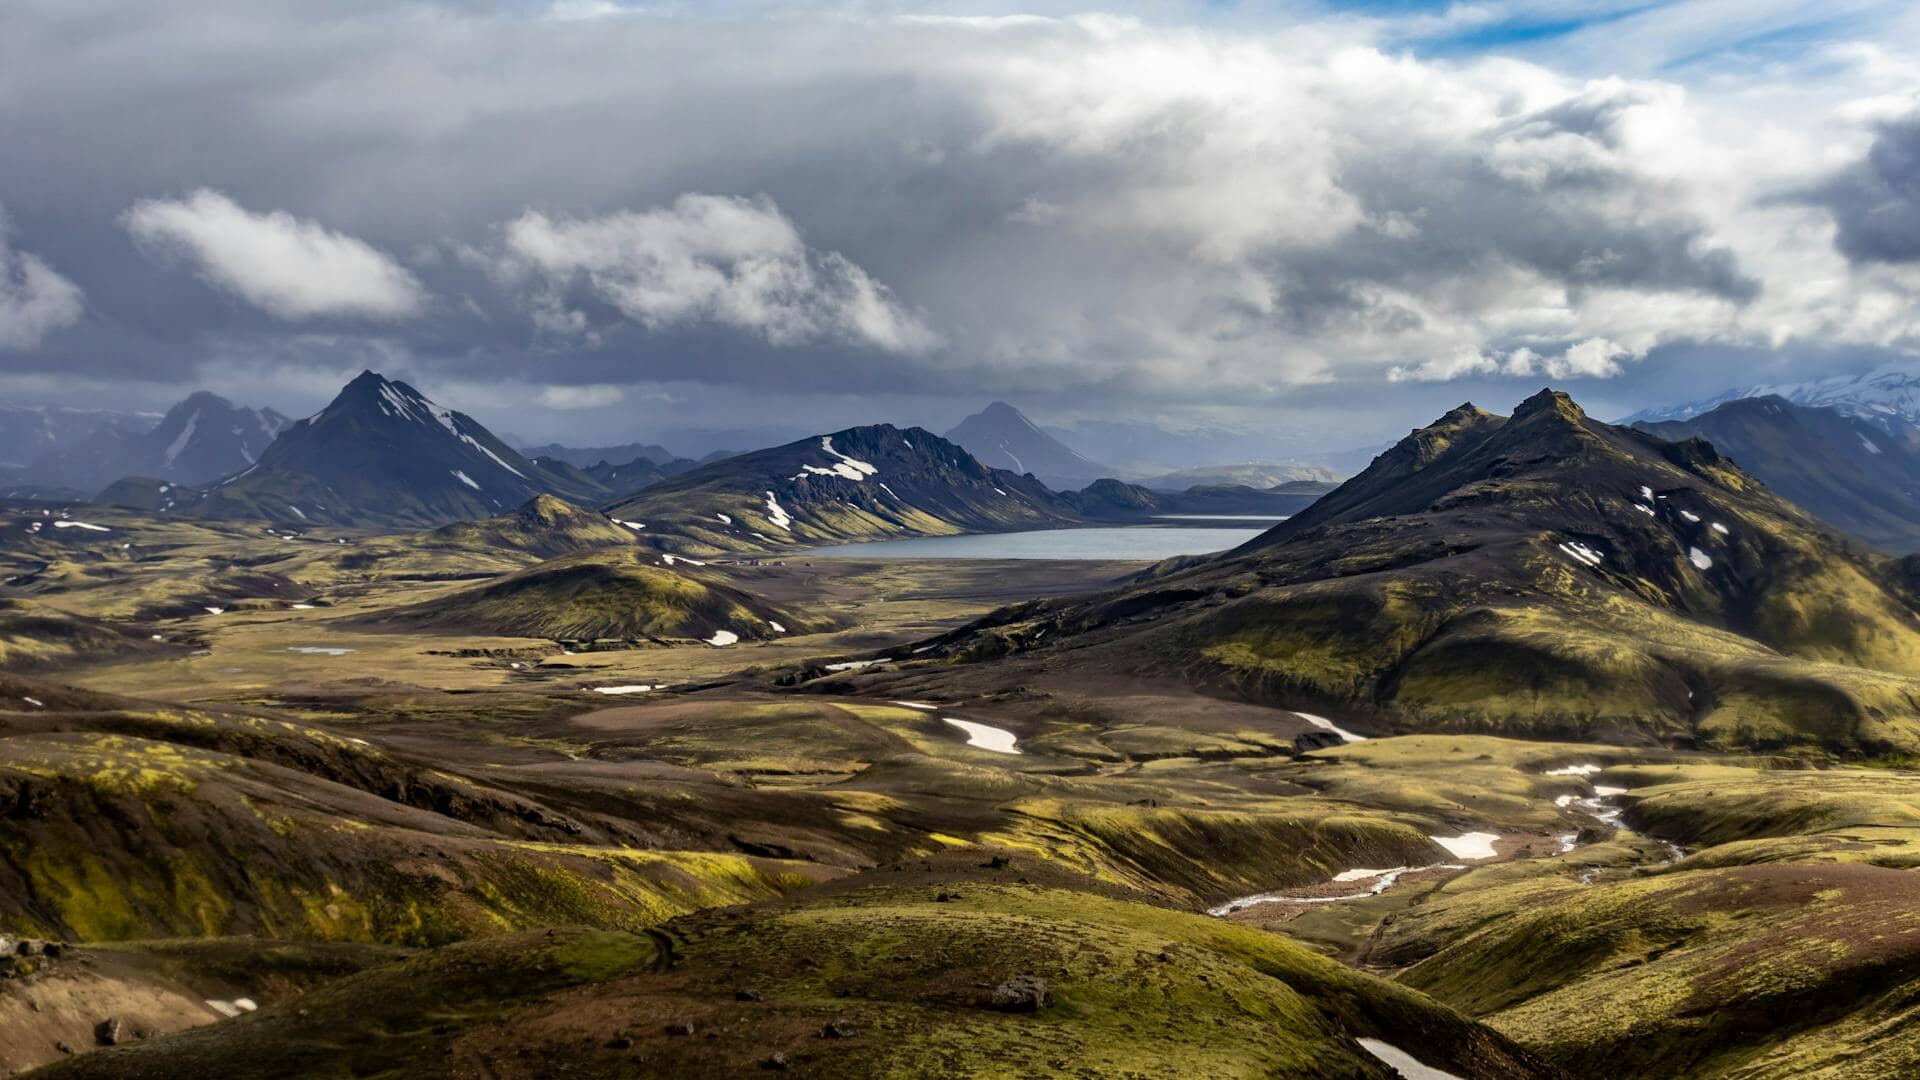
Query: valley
point(1541, 748)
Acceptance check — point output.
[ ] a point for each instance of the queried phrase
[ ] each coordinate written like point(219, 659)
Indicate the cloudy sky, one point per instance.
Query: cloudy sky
point(591, 221)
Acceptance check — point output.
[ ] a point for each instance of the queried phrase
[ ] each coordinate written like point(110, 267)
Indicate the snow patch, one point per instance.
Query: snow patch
point(630, 524)
point(985, 736)
point(1573, 770)
point(319, 650)
point(777, 628)
point(1408, 1066)
point(921, 705)
point(636, 688)
point(465, 479)
point(724, 519)
point(851, 468)
point(1646, 492)
point(216, 611)
point(1325, 724)
point(853, 665)
point(671, 559)
point(1719, 528)
point(723, 637)
point(186, 435)
point(1582, 552)
point(1690, 516)
point(1699, 558)
point(1473, 845)
point(80, 525)
point(777, 514)
point(1868, 443)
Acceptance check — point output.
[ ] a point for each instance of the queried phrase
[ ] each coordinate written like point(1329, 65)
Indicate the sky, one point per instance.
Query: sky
point(1318, 225)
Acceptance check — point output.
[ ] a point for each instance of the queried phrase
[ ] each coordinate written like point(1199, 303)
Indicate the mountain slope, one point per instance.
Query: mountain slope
point(865, 483)
point(1542, 573)
point(202, 438)
point(1002, 437)
point(383, 454)
point(1860, 474)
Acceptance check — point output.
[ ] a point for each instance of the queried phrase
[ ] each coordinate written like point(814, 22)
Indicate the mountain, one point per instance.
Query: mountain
point(1258, 474)
point(1542, 573)
point(1860, 474)
point(588, 457)
point(381, 455)
point(1001, 436)
point(201, 439)
point(863, 483)
point(28, 432)
point(1886, 394)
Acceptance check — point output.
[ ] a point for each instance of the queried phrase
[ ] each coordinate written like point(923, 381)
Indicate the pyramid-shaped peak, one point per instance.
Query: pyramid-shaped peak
point(1550, 402)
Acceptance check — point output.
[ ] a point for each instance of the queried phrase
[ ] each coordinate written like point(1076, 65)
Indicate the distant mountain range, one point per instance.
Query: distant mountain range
point(1885, 394)
point(1001, 436)
point(1861, 474)
point(28, 432)
point(1259, 474)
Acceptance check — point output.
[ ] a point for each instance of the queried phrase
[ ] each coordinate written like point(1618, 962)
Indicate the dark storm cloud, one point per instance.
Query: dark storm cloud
point(1876, 203)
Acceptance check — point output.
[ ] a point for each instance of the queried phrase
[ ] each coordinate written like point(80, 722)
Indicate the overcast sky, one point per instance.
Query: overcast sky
point(586, 221)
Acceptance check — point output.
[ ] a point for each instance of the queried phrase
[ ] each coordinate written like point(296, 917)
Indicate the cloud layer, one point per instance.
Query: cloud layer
point(1204, 213)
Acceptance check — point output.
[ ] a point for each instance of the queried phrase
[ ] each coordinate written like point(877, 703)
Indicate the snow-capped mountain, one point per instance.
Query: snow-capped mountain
point(200, 439)
point(1003, 438)
point(384, 454)
point(1887, 392)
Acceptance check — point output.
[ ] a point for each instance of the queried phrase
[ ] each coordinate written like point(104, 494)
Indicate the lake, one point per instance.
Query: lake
point(1122, 542)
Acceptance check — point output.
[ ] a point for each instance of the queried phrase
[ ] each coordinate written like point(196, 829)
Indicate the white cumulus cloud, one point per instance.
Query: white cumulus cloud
point(725, 260)
point(34, 299)
point(288, 267)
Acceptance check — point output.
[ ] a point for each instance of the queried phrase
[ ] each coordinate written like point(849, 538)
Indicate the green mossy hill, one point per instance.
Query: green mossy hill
point(623, 595)
point(35, 636)
point(1784, 943)
point(1545, 576)
point(544, 528)
point(130, 824)
point(904, 973)
point(1697, 973)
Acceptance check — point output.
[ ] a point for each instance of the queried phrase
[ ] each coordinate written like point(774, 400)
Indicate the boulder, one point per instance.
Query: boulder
point(1022, 993)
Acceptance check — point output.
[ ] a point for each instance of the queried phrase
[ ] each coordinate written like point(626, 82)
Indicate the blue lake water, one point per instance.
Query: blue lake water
point(1122, 542)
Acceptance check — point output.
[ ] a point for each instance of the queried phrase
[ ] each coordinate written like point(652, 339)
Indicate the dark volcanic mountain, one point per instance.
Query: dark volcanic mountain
point(1862, 474)
point(383, 454)
point(1000, 436)
point(864, 483)
point(1542, 573)
point(203, 438)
